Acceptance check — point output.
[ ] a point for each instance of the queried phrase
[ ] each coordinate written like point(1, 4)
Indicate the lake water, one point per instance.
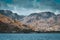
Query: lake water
point(41, 36)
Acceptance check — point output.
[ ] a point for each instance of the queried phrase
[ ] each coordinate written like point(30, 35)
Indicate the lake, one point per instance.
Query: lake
point(33, 36)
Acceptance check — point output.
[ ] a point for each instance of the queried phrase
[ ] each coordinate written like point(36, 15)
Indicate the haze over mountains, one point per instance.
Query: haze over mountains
point(42, 22)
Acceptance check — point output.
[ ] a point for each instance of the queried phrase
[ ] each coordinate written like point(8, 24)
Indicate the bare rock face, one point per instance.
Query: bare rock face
point(58, 18)
point(39, 16)
point(43, 21)
point(12, 26)
point(12, 15)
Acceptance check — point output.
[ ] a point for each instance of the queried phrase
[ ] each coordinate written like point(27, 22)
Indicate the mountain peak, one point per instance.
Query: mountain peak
point(43, 21)
point(10, 14)
point(43, 14)
point(5, 11)
point(47, 14)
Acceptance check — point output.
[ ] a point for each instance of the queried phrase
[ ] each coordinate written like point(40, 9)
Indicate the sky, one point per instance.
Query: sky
point(26, 7)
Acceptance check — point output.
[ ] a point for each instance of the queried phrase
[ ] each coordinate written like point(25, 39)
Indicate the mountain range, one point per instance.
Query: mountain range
point(8, 25)
point(12, 15)
point(35, 22)
point(43, 21)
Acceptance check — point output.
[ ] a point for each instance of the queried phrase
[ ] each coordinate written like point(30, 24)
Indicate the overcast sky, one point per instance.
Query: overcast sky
point(25, 7)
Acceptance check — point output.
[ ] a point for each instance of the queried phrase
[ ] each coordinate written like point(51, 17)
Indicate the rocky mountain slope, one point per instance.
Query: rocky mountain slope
point(12, 15)
point(35, 22)
point(44, 21)
point(8, 25)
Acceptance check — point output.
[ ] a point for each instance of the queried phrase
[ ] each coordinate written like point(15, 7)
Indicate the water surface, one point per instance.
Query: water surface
point(41, 36)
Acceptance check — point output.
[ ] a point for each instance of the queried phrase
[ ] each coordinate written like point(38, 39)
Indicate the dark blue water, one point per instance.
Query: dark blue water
point(41, 36)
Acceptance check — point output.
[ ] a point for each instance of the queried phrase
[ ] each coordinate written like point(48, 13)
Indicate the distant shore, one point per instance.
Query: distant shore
point(34, 32)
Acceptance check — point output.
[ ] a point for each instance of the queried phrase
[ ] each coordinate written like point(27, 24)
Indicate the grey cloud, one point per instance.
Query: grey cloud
point(53, 5)
point(34, 3)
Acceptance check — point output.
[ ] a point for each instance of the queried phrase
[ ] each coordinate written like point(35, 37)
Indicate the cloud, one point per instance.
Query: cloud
point(53, 4)
point(30, 6)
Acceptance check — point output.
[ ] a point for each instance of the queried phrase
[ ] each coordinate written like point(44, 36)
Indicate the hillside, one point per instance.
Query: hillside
point(35, 22)
point(8, 25)
point(12, 15)
point(43, 21)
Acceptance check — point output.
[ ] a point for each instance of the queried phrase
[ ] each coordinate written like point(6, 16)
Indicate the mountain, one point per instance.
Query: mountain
point(7, 25)
point(43, 21)
point(12, 15)
point(39, 16)
point(35, 22)
point(58, 18)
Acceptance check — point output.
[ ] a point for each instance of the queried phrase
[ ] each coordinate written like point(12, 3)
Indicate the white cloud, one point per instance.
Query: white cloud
point(57, 12)
point(26, 11)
